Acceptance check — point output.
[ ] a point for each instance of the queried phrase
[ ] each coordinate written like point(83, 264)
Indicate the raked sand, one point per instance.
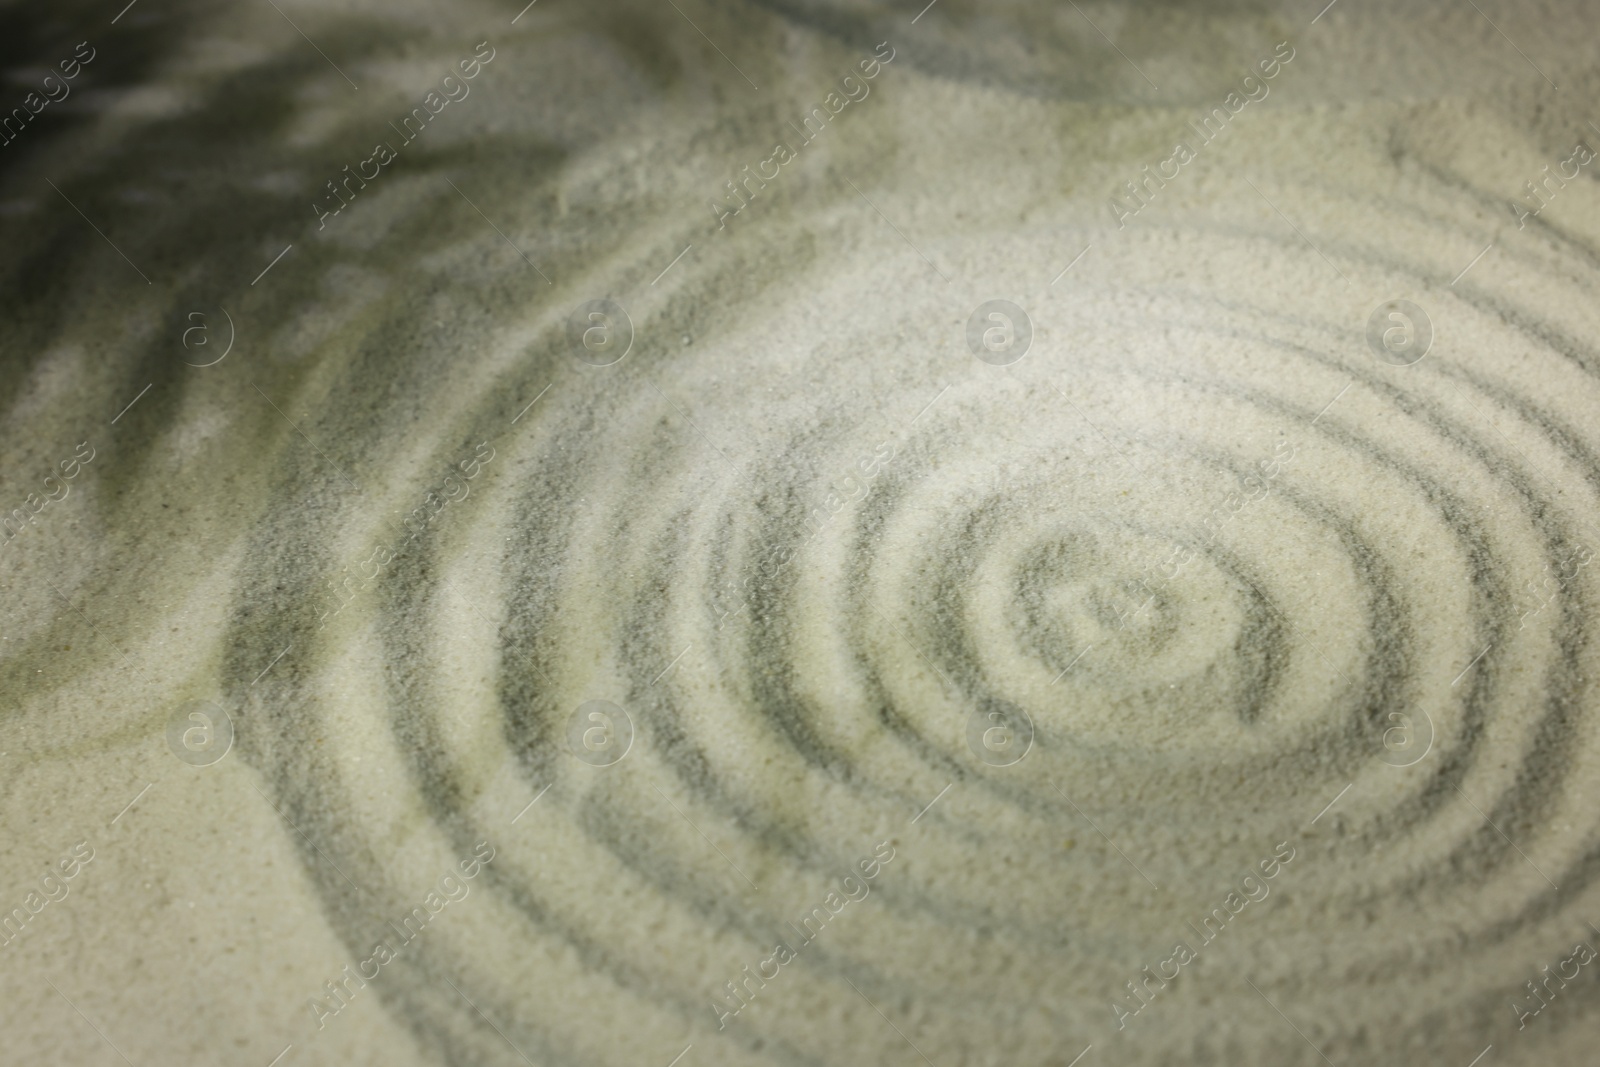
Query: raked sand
point(485, 589)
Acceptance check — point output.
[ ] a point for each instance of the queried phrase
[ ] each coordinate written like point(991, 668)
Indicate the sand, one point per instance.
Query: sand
point(741, 537)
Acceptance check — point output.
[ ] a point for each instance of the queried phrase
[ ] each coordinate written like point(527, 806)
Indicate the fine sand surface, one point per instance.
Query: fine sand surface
point(516, 607)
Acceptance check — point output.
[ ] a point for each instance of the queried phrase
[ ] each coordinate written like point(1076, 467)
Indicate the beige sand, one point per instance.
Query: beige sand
point(1294, 641)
